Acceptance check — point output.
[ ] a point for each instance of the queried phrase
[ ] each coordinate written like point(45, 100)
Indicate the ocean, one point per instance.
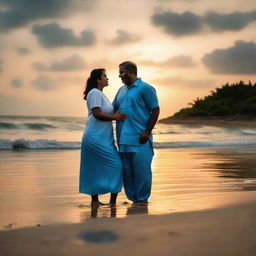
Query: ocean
point(31, 132)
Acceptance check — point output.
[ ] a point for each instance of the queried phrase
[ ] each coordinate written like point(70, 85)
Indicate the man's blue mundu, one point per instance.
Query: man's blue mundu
point(137, 101)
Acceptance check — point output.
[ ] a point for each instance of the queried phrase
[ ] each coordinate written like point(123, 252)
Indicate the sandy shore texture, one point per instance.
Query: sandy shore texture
point(223, 231)
point(41, 187)
point(212, 121)
point(185, 215)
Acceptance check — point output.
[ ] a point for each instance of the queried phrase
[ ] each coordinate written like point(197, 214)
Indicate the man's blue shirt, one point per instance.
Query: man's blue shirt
point(137, 101)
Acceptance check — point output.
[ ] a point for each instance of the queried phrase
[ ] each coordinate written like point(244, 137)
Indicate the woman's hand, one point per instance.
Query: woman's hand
point(119, 117)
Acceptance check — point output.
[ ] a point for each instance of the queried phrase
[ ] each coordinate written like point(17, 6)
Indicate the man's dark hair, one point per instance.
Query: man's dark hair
point(129, 67)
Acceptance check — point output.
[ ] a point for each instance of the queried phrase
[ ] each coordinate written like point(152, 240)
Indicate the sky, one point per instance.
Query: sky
point(183, 48)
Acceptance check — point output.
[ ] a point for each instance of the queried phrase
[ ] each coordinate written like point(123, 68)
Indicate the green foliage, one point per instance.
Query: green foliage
point(229, 100)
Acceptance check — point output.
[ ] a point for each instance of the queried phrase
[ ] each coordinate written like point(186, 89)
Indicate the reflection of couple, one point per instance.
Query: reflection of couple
point(136, 109)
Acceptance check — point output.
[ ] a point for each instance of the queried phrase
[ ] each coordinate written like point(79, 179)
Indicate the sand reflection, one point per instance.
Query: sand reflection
point(41, 187)
point(237, 167)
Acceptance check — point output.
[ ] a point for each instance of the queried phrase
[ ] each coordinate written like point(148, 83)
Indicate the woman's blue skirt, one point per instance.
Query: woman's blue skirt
point(100, 167)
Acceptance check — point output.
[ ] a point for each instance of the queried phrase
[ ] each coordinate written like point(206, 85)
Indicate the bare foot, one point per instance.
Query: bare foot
point(96, 203)
point(140, 203)
point(112, 204)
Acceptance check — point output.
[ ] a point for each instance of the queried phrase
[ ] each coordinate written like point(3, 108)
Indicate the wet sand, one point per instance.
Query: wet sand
point(40, 187)
point(203, 203)
point(227, 231)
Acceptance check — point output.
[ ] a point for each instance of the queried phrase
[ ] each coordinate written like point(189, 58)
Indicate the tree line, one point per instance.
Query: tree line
point(229, 100)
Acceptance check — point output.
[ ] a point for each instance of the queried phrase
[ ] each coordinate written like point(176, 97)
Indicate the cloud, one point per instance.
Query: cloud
point(19, 13)
point(175, 0)
point(23, 51)
point(50, 83)
point(178, 24)
point(238, 59)
point(233, 21)
point(16, 83)
point(124, 37)
point(45, 83)
point(180, 61)
point(1, 66)
point(73, 63)
point(188, 23)
point(40, 66)
point(52, 35)
point(179, 82)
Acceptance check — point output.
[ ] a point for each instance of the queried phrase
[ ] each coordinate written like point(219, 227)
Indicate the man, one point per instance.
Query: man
point(139, 101)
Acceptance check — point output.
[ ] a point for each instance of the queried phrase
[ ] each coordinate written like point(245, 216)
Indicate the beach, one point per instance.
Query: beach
point(223, 231)
point(175, 80)
point(202, 203)
point(41, 187)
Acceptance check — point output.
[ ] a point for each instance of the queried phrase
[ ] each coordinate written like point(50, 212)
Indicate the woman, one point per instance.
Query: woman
point(100, 167)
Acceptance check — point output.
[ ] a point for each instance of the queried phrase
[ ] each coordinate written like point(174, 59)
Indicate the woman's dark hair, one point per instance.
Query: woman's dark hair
point(92, 80)
point(129, 67)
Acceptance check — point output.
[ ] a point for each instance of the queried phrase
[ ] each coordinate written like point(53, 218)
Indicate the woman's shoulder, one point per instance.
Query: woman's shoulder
point(94, 92)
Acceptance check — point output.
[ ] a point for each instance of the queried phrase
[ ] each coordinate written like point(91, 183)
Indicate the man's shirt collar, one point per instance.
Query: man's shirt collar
point(136, 83)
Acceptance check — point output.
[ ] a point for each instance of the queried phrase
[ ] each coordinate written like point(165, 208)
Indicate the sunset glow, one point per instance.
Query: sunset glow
point(184, 48)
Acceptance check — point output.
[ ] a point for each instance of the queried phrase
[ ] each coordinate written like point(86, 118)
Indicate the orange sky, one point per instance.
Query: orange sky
point(184, 48)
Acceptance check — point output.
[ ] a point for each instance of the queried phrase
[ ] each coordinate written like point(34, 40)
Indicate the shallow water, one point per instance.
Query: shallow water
point(40, 187)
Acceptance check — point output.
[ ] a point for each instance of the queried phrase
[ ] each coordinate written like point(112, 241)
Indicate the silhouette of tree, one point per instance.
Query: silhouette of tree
point(237, 99)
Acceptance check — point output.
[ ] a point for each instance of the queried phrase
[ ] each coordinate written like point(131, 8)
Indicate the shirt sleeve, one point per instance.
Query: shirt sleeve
point(94, 99)
point(150, 97)
point(115, 102)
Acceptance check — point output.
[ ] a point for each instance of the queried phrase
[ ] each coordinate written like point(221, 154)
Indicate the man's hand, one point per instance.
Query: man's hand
point(144, 137)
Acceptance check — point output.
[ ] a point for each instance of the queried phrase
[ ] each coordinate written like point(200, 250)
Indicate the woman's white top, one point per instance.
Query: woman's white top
point(95, 128)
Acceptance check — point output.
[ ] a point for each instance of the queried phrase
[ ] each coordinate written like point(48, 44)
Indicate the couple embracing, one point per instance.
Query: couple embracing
point(135, 109)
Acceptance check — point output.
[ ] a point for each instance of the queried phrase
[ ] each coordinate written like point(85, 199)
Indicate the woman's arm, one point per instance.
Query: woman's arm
point(97, 113)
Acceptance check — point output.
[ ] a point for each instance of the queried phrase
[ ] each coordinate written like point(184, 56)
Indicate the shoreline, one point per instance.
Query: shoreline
point(39, 187)
point(203, 202)
point(222, 231)
point(212, 121)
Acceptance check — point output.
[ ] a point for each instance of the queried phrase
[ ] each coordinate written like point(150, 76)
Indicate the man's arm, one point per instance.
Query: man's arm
point(152, 121)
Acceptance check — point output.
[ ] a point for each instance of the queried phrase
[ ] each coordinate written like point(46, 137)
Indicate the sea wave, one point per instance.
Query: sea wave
point(248, 132)
point(32, 126)
point(5, 125)
point(53, 144)
point(38, 126)
point(37, 144)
